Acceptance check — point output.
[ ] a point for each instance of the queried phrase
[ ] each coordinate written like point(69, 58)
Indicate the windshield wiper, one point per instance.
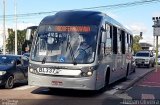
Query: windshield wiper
point(71, 52)
point(45, 57)
point(43, 36)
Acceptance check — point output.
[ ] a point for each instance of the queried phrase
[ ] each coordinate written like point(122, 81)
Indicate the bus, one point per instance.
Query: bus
point(82, 50)
point(30, 31)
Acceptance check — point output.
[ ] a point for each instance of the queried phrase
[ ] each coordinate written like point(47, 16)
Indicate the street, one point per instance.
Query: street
point(114, 95)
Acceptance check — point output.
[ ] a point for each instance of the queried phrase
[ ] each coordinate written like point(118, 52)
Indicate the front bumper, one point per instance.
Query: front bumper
point(142, 64)
point(2, 80)
point(79, 83)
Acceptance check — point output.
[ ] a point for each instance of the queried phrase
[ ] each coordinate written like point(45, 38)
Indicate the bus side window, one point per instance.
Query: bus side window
point(123, 47)
point(108, 44)
point(126, 42)
point(131, 42)
point(101, 49)
point(114, 40)
point(119, 40)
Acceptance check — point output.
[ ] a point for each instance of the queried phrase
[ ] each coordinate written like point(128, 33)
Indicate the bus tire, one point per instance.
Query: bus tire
point(107, 78)
point(126, 76)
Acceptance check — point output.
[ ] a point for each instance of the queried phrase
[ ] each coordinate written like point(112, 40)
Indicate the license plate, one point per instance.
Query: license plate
point(139, 61)
point(48, 71)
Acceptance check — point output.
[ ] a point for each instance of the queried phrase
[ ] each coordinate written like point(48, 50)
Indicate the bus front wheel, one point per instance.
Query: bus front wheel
point(107, 78)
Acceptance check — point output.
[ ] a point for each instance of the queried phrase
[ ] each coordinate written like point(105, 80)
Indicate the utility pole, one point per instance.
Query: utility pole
point(15, 9)
point(156, 33)
point(4, 27)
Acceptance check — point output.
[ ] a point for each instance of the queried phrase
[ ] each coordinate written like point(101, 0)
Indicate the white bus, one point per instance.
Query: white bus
point(84, 50)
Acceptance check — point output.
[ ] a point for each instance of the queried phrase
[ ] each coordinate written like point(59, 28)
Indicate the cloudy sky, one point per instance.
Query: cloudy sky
point(138, 18)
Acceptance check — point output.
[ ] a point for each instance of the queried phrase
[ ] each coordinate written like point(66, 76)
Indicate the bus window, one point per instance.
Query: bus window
point(108, 44)
point(114, 40)
point(126, 42)
point(119, 41)
point(123, 42)
point(131, 43)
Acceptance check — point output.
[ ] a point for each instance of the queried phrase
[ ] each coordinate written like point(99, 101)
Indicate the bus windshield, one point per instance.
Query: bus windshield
point(65, 44)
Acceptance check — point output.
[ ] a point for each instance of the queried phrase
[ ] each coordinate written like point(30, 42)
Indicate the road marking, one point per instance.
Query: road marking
point(23, 87)
point(148, 86)
point(147, 96)
point(111, 92)
point(114, 89)
point(124, 96)
point(152, 83)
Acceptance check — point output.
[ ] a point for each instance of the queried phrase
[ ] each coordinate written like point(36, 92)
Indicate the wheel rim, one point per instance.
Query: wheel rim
point(10, 82)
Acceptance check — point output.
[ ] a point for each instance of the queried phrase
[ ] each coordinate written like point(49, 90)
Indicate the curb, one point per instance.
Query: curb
point(125, 87)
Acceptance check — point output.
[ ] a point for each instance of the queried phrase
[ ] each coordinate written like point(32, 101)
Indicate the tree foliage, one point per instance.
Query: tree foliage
point(136, 44)
point(10, 46)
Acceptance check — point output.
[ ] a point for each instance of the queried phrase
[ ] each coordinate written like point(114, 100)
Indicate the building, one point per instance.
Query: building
point(145, 45)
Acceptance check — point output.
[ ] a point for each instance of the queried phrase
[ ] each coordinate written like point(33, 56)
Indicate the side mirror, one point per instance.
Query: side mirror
point(28, 34)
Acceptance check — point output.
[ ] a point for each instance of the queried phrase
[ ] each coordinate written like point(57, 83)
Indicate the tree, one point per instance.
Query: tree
point(10, 46)
point(136, 44)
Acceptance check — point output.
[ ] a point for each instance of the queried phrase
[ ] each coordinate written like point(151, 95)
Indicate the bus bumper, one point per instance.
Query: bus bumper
point(83, 83)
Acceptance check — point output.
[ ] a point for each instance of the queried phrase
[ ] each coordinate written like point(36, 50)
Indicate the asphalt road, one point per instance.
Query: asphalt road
point(31, 95)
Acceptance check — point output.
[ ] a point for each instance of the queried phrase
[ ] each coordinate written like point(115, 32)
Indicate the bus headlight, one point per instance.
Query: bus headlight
point(31, 70)
point(87, 71)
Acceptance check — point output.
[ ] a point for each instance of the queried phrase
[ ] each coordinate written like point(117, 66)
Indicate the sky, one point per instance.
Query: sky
point(136, 18)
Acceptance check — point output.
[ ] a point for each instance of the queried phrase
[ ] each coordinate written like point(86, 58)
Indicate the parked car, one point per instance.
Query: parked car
point(158, 60)
point(13, 69)
point(144, 58)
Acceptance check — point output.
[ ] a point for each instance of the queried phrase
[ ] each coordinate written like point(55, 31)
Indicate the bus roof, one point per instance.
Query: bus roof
point(74, 17)
point(80, 17)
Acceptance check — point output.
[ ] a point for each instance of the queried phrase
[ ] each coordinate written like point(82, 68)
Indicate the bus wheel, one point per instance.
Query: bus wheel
point(107, 78)
point(126, 76)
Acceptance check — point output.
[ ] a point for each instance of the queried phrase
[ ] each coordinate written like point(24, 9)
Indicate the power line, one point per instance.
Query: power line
point(115, 6)
point(142, 2)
